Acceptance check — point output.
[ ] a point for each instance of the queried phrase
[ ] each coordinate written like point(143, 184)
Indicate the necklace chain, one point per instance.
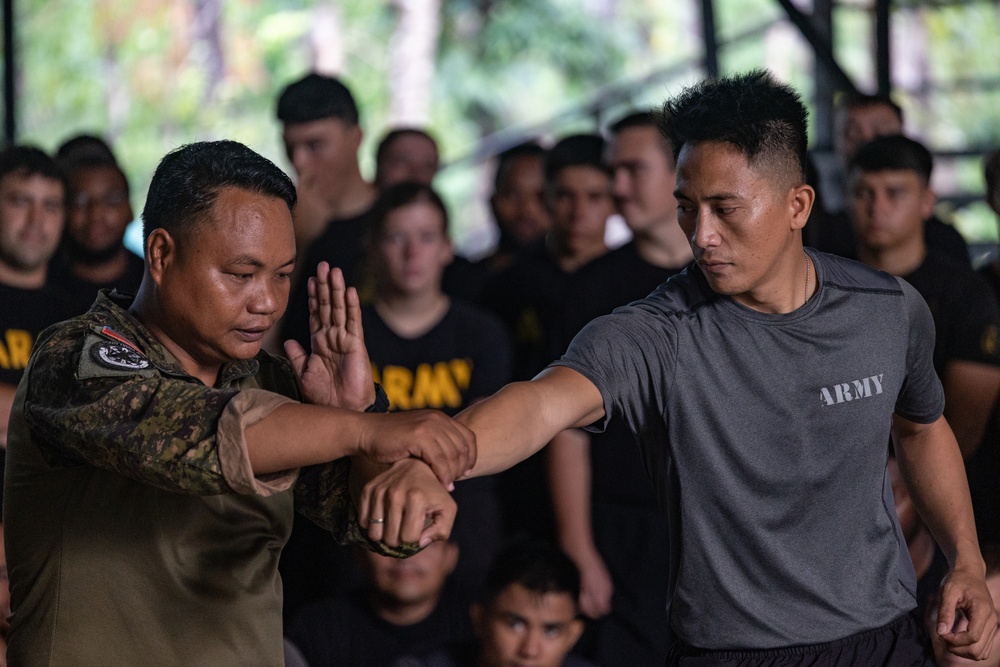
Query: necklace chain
point(805, 290)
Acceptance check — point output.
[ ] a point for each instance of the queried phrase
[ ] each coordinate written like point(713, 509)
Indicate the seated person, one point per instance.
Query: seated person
point(402, 607)
point(991, 554)
point(528, 614)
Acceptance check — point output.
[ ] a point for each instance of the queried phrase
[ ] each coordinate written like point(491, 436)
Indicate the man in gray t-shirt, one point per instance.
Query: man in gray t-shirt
point(763, 384)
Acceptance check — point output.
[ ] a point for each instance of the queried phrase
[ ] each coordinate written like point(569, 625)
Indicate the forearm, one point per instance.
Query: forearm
point(522, 417)
point(569, 476)
point(295, 435)
point(971, 391)
point(931, 464)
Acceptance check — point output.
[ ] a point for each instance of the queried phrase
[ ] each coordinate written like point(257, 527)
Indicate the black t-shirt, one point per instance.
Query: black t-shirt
point(346, 632)
point(616, 279)
point(527, 297)
point(25, 313)
point(80, 293)
point(983, 468)
point(340, 245)
point(463, 357)
point(966, 317)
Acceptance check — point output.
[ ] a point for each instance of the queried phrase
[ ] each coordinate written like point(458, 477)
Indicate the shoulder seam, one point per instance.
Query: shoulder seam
point(864, 290)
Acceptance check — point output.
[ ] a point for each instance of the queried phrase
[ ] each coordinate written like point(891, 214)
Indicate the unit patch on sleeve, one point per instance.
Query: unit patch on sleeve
point(108, 353)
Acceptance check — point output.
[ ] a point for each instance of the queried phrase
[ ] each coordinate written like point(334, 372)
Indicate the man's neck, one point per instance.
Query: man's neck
point(352, 198)
point(102, 272)
point(398, 613)
point(570, 257)
point(410, 316)
point(33, 279)
point(898, 260)
point(664, 245)
point(144, 310)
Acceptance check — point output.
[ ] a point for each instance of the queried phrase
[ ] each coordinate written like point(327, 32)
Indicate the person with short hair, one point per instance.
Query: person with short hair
point(890, 198)
point(405, 605)
point(860, 118)
point(518, 203)
point(528, 296)
point(94, 256)
point(322, 136)
point(527, 614)
point(983, 468)
point(429, 350)
point(157, 455)
point(763, 383)
point(406, 154)
point(32, 216)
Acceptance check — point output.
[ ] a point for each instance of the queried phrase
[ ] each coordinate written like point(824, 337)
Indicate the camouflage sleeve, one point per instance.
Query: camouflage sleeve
point(144, 424)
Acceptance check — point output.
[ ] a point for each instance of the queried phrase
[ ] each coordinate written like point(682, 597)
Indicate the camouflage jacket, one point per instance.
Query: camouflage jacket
point(135, 526)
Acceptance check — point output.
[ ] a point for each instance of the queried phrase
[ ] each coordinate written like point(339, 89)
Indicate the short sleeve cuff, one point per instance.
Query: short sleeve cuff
point(246, 409)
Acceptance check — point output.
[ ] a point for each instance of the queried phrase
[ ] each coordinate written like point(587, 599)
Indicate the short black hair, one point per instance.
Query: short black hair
point(764, 119)
point(83, 147)
point(396, 133)
point(647, 118)
point(93, 162)
point(858, 100)
point(187, 181)
point(576, 150)
point(527, 149)
point(397, 196)
point(538, 565)
point(315, 97)
point(894, 152)
point(31, 161)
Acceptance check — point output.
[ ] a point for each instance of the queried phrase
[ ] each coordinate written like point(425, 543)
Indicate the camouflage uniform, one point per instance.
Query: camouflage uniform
point(136, 529)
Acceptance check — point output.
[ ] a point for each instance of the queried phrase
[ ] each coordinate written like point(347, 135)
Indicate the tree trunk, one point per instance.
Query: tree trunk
point(412, 55)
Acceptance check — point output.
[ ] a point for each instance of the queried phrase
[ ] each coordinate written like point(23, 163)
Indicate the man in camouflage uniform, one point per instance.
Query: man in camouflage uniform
point(156, 454)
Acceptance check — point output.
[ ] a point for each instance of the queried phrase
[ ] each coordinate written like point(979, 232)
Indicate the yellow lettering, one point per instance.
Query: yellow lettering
point(433, 387)
point(19, 347)
point(989, 340)
point(461, 370)
point(397, 382)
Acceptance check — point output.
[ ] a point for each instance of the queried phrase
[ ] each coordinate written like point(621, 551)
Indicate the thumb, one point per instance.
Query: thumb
point(297, 355)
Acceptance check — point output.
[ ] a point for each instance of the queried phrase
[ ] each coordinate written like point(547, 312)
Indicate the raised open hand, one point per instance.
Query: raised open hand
point(337, 373)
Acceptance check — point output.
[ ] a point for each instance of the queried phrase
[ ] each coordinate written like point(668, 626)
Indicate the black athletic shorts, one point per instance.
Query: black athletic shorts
point(901, 643)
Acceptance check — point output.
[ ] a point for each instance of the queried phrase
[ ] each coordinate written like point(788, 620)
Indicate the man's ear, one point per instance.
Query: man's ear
point(575, 630)
point(161, 253)
point(800, 200)
point(356, 134)
point(928, 202)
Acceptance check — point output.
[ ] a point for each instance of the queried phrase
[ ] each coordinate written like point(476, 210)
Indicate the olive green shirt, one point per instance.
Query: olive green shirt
point(136, 531)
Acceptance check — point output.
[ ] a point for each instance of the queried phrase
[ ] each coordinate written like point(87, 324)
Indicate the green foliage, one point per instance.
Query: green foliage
point(129, 69)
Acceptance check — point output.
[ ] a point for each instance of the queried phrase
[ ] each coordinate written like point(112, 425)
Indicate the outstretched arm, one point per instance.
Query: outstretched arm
point(508, 427)
point(523, 417)
point(931, 464)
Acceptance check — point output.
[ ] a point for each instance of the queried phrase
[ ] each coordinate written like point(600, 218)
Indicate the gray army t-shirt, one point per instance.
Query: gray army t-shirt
point(766, 437)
